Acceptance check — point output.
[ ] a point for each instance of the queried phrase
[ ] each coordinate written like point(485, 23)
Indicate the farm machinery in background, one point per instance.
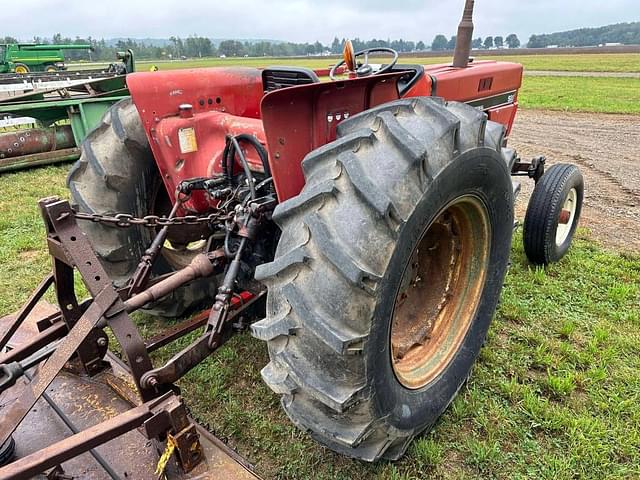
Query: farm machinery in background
point(361, 227)
point(22, 58)
point(45, 116)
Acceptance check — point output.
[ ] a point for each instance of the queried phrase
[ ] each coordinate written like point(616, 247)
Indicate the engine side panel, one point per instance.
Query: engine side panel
point(190, 144)
point(489, 85)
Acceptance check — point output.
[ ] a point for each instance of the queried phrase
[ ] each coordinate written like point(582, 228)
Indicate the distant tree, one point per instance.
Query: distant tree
point(536, 41)
point(513, 41)
point(8, 40)
point(498, 42)
point(420, 46)
point(452, 43)
point(477, 43)
point(439, 43)
point(231, 48)
point(488, 42)
point(336, 46)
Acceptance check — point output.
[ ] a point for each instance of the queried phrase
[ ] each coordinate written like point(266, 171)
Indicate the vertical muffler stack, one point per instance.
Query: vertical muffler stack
point(464, 38)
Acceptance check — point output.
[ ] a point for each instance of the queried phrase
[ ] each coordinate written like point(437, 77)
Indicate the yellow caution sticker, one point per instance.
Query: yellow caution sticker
point(187, 140)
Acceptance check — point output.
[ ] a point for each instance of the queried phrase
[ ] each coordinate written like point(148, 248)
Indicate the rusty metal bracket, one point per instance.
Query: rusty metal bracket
point(30, 393)
point(81, 442)
point(196, 352)
point(69, 245)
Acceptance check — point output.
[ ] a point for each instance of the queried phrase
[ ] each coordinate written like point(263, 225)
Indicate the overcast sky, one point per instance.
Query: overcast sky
point(304, 20)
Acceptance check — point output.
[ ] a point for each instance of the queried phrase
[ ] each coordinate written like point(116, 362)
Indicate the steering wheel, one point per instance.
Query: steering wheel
point(363, 69)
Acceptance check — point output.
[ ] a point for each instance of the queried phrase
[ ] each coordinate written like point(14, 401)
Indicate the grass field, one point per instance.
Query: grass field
point(581, 94)
point(612, 62)
point(554, 395)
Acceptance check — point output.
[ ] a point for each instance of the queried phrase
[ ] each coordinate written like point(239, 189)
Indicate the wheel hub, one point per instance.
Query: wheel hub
point(440, 291)
point(567, 215)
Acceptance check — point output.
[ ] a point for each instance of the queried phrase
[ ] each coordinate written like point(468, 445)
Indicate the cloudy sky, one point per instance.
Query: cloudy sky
point(304, 20)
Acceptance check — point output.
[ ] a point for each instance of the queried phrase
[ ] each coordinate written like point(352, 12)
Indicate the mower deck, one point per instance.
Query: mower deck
point(88, 401)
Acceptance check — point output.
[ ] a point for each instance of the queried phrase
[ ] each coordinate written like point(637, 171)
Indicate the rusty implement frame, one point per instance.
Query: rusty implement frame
point(77, 328)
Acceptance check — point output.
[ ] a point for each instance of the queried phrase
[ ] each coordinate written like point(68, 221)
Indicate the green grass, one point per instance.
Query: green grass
point(582, 94)
point(609, 62)
point(555, 393)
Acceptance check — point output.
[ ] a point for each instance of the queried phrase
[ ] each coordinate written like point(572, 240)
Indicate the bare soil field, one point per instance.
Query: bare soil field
point(607, 149)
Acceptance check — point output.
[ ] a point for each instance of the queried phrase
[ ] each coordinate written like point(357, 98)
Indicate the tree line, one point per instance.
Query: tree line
point(441, 43)
point(625, 33)
point(195, 46)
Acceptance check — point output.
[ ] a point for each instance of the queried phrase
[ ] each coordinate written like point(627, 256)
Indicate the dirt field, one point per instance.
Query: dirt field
point(606, 148)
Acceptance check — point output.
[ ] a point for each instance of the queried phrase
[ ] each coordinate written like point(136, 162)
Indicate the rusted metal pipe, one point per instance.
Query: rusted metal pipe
point(36, 140)
point(200, 266)
point(465, 37)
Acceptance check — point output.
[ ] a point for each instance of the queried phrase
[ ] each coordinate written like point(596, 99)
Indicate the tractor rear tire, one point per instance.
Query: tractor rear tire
point(116, 173)
point(406, 217)
point(559, 191)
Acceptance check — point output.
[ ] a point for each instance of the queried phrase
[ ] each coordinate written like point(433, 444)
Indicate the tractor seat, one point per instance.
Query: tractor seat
point(275, 78)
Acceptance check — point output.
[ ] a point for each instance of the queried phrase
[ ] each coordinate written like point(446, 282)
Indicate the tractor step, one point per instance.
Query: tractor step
point(87, 401)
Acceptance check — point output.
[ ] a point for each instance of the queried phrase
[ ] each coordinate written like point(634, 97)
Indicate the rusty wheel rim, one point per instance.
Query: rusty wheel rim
point(440, 291)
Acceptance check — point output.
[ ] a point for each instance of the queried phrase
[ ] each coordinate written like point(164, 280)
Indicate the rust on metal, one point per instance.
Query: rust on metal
point(565, 216)
point(65, 239)
point(15, 413)
point(440, 291)
point(37, 140)
point(27, 467)
point(200, 266)
point(37, 159)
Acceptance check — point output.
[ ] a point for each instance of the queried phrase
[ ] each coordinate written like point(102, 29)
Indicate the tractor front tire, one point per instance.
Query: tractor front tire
point(116, 173)
point(387, 274)
point(553, 214)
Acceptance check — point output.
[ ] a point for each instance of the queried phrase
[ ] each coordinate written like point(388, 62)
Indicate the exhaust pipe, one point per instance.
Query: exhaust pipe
point(464, 38)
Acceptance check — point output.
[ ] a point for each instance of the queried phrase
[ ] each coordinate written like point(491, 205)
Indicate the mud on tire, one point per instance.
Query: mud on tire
point(346, 238)
point(116, 173)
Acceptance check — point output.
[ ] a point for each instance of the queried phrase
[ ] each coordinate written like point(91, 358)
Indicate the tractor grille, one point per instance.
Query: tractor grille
point(274, 79)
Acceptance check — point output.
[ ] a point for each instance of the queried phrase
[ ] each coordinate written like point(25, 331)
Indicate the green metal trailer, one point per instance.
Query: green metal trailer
point(33, 57)
point(48, 125)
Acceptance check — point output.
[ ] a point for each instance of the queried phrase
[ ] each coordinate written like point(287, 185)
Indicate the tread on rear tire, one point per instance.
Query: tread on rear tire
point(346, 237)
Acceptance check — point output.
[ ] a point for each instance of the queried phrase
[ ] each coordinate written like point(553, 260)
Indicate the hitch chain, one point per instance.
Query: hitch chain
point(183, 193)
point(125, 220)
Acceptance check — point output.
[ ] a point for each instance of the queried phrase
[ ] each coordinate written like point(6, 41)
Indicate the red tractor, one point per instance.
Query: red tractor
point(375, 210)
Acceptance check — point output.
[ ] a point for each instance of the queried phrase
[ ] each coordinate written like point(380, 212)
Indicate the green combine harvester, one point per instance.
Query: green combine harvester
point(32, 57)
